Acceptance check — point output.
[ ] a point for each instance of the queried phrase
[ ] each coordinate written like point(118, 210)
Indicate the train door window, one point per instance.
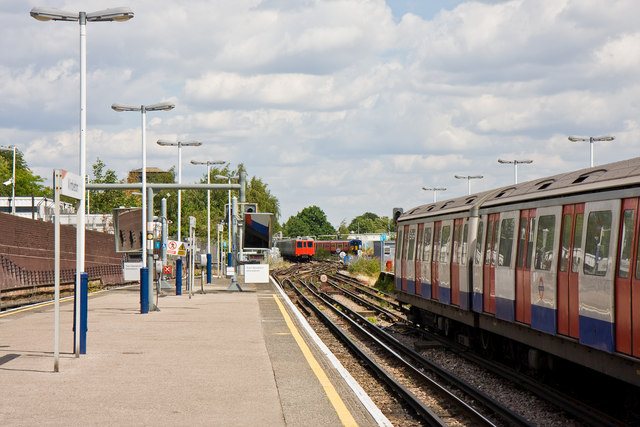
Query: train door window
point(506, 242)
point(566, 237)
point(399, 245)
point(426, 247)
point(299, 244)
point(577, 244)
point(444, 247)
point(456, 243)
point(523, 241)
point(596, 250)
point(412, 244)
point(478, 255)
point(544, 243)
point(626, 240)
point(532, 230)
point(487, 248)
point(465, 236)
point(496, 232)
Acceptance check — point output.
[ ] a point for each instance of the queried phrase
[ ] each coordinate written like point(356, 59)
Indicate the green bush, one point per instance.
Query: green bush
point(385, 283)
point(322, 253)
point(367, 266)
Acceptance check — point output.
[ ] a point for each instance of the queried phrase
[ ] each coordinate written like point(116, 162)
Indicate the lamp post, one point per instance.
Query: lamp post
point(13, 178)
point(434, 189)
point(179, 144)
point(469, 178)
point(116, 14)
point(229, 178)
point(515, 166)
point(163, 106)
point(591, 140)
point(208, 163)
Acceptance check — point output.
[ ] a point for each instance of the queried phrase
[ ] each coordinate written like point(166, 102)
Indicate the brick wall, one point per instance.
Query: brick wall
point(27, 253)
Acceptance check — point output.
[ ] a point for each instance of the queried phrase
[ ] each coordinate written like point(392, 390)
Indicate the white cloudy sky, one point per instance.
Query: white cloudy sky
point(351, 105)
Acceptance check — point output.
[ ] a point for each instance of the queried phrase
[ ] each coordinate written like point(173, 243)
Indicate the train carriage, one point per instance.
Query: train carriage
point(551, 264)
point(298, 249)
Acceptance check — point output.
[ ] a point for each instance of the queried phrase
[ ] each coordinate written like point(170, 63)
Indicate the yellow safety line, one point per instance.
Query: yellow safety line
point(341, 409)
point(41, 304)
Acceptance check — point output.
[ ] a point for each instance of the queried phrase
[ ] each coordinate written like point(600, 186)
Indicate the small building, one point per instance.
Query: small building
point(34, 207)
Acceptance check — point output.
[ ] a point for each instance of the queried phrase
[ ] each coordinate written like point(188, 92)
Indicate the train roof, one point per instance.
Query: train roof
point(622, 174)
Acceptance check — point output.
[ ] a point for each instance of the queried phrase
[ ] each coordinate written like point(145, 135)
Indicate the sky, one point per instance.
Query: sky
point(349, 105)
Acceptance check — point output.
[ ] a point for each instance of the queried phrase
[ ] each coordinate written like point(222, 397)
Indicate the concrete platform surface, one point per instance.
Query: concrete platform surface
point(219, 358)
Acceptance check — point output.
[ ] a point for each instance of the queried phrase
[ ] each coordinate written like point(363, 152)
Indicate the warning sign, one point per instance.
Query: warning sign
point(175, 247)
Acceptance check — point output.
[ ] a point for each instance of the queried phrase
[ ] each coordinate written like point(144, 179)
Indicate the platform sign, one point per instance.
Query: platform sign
point(175, 247)
point(256, 273)
point(166, 269)
point(70, 185)
point(131, 271)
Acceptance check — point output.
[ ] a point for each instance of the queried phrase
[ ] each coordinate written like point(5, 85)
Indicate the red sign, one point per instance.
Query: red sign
point(166, 269)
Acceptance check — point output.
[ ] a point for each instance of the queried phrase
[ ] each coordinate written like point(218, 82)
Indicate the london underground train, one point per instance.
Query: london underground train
point(298, 249)
point(540, 270)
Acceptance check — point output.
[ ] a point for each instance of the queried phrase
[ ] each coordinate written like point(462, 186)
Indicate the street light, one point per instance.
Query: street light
point(469, 178)
point(163, 106)
point(116, 14)
point(434, 189)
point(515, 166)
point(179, 144)
point(591, 140)
point(13, 178)
point(208, 163)
point(229, 178)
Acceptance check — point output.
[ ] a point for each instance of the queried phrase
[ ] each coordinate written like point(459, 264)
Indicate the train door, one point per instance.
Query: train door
point(627, 284)
point(400, 264)
point(426, 261)
point(456, 255)
point(437, 229)
point(568, 268)
point(489, 271)
point(523, 265)
point(418, 257)
point(444, 263)
point(410, 272)
point(465, 271)
point(478, 265)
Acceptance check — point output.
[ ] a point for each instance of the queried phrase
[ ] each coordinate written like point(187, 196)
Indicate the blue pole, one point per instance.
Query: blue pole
point(84, 297)
point(144, 290)
point(208, 268)
point(179, 276)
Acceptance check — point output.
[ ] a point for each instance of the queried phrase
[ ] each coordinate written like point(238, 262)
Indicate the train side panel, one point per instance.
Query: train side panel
point(505, 289)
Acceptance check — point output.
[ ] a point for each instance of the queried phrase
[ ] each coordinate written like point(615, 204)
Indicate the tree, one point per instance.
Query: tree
point(27, 184)
point(370, 223)
point(105, 201)
point(311, 221)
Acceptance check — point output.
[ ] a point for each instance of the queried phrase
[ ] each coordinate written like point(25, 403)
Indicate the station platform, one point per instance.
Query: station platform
point(216, 358)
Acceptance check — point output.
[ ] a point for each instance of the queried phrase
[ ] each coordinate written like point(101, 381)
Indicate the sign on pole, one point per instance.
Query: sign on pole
point(66, 184)
point(175, 247)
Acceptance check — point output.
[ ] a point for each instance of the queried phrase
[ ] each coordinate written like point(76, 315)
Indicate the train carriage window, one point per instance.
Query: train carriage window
point(412, 244)
point(456, 244)
point(299, 244)
point(596, 248)
point(506, 242)
point(565, 242)
point(577, 244)
point(465, 236)
point(626, 240)
point(444, 245)
point(487, 248)
point(478, 255)
point(544, 242)
point(426, 247)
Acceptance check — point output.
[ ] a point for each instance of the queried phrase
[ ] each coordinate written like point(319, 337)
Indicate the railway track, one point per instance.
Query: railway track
point(311, 291)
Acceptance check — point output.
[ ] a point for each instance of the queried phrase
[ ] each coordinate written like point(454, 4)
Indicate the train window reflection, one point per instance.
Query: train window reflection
point(465, 236)
point(566, 241)
point(532, 228)
point(412, 244)
point(544, 242)
point(399, 244)
point(478, 255)
point(444, 247)
point(487, 249)
point(625, 243)
point(426, 248)
point(577, 243)
point(506, 242)
point(596, 250)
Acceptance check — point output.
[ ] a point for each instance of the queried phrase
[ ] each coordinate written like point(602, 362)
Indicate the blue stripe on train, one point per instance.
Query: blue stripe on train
point(444, 295)
point(543, 319)
point(398, 283)
point(426, 290)
point(411, 286)
point(477, 302)
point(597, 333)
point(505, 309)
point(465, 300)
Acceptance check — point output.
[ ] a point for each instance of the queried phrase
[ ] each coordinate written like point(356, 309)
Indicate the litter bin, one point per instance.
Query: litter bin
point(389, 265)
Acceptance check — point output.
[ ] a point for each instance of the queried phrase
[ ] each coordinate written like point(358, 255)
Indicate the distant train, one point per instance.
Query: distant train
point(298, 249)
point(536, 271)
point(337, 246)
